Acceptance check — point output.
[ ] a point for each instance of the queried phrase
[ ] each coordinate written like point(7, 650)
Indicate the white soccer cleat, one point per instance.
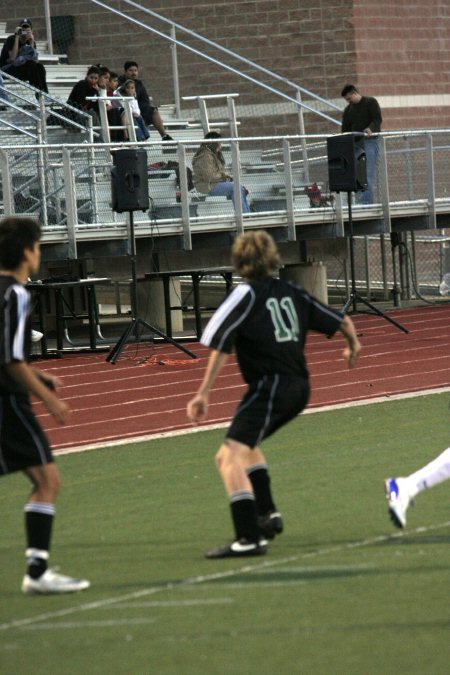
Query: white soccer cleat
point(398, 499)
point(36, 336)
point(52, 582)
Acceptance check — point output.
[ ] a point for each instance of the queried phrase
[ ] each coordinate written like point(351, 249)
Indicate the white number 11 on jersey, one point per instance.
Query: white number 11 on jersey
point(283, 331)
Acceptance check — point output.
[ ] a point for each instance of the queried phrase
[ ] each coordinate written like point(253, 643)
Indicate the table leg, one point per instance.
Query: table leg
point(167, 309)
point(196, 292)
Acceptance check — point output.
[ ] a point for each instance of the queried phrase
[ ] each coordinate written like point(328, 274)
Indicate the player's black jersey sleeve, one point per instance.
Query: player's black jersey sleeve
point(267, 322)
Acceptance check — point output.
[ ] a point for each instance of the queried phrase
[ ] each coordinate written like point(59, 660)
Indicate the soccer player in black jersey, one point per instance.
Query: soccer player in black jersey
point(23, 444)
point(265, 320)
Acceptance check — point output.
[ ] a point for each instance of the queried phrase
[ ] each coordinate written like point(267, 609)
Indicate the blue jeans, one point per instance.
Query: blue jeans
point(142, 133)
point(371, 147)
point(226, 189)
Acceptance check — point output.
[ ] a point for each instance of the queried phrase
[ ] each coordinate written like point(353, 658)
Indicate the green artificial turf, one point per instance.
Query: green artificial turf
point(339, 592)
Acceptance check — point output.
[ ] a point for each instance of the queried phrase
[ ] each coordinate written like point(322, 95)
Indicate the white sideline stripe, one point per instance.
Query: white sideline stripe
point(256, 584)
point(203, 579)
point(322, 568)
point(106, 623)
point(173, 603)
point(222, 425)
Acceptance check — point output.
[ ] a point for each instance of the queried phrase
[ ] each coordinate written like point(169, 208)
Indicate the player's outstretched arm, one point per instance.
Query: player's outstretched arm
point(197, 408)
point(351, 352)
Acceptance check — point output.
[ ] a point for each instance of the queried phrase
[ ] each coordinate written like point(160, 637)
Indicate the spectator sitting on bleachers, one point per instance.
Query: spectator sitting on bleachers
point(149, 110)
point(20, 59)
point(113, 83)
point(102, 91)
point(128, 88)
point(86, 87)
point(77, 97)
point(209, 175)
point(103, 80)
point(114, 114)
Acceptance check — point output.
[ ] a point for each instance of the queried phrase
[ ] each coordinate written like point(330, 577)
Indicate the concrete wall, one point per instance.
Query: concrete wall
point(390, 49)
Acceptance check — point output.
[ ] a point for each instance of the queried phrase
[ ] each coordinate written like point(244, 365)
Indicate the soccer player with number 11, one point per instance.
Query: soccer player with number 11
point(266, 320)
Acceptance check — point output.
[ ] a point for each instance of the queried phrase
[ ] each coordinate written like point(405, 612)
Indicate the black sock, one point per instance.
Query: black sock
point(243, 513)
point(38, 526)
point(260, 480)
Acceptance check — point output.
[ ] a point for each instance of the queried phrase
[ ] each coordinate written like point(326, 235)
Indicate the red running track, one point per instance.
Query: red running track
point(134, 397)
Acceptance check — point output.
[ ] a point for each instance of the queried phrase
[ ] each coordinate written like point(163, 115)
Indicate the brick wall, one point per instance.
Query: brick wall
point(386, 48)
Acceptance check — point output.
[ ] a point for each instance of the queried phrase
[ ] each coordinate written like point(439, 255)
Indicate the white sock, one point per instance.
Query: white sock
point(431, 474)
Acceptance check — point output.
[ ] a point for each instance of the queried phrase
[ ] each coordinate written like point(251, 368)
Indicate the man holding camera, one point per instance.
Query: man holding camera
point(20, 59)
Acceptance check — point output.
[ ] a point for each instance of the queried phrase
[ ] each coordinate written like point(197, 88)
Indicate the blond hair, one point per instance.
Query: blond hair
point(255, 255)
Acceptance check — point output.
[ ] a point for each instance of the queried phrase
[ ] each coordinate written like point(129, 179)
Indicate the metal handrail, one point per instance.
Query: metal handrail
point(295, 100)
point(238, 57)
point(46, 97)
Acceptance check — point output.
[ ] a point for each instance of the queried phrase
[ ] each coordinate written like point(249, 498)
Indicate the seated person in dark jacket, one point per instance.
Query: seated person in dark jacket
point(82, 89)
point(20, 59)
point(149, 110)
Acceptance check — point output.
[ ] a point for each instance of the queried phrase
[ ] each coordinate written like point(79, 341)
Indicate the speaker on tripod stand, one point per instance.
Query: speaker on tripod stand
point(346, 163)
point(129, 181)
point(347, 173)
point(129, 192)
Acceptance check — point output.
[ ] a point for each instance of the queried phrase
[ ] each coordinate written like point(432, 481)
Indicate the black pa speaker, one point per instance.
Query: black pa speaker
point(129, 180)
point(346, 163)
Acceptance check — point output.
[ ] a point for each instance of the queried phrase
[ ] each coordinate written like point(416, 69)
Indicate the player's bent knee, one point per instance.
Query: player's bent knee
point(225, 454)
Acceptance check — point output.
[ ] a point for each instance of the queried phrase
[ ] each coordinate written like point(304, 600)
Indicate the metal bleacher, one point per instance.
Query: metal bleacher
point(261, 177)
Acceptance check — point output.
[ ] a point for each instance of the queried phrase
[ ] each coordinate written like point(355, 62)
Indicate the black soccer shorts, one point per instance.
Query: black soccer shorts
point(23, 443)
point(267, 405)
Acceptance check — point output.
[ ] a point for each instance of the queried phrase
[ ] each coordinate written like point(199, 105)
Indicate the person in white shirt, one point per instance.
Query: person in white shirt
point(128, 88)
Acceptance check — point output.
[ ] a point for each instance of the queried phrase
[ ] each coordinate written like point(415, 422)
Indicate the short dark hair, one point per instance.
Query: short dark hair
point(213, 134)
point(93, 70)
point(103, 69)
point(17, 234)
point(129, 64)
point(348, 89)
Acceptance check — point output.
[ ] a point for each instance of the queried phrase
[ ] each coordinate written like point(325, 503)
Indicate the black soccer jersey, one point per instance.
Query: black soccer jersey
point(15, 330)
point(267, 322)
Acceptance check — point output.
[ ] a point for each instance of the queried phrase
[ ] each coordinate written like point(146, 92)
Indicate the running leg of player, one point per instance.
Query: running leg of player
point(242, 503)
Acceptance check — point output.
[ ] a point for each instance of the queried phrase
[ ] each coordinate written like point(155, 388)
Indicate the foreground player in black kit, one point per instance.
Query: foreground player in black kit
point(266, 321)
point(23, 444)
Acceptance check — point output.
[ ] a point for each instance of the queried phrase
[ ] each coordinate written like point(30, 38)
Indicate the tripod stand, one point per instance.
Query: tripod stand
point(136, 322)
point(354, 297)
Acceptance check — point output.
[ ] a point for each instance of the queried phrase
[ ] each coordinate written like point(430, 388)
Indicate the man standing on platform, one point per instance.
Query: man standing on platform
point(363, 114)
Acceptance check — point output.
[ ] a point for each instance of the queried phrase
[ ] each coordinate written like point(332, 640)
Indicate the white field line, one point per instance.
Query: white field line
point(175, 603)
point(105, 623)
point(217, 576)
point(221, 425)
